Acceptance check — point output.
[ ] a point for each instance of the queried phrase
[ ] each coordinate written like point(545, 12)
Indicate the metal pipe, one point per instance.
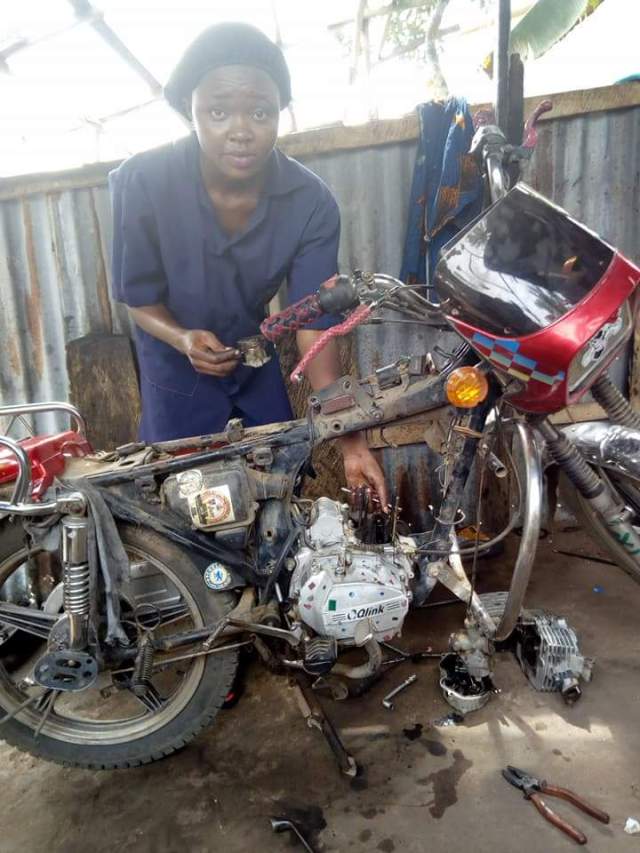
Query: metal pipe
point(495, 175)
point(35, 408)
point(22, 486)
point(531, 520)
point(501, 63)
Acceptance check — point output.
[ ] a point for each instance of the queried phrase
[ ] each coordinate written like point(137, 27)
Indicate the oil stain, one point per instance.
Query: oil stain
point(444, 784)
point(435, 747)
point(387, 846)
point(365, 835)
point(414, 732)
point(369, 814)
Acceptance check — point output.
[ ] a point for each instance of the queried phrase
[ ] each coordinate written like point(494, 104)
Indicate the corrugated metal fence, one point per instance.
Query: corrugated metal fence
point(55, 238)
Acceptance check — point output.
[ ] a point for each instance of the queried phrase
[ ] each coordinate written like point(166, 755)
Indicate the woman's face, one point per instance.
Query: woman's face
point(235, 112)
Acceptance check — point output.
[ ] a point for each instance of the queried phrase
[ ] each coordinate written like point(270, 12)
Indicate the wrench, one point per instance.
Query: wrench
point(279, 824)
point(388, 704)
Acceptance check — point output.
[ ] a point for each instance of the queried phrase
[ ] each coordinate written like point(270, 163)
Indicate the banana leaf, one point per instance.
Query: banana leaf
point(543, 25)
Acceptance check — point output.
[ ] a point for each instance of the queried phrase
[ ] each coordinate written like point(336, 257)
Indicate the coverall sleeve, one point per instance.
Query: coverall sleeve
point(317, 257)
point(138, 276)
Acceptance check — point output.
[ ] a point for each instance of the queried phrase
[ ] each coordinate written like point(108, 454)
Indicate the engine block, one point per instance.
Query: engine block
point(338, 582)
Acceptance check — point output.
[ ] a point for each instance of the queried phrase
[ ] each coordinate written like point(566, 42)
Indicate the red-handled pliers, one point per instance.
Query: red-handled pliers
point(533, 788)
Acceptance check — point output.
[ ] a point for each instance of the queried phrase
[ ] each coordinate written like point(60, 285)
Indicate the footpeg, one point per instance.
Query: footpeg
point(66, 670)
point(320, 654)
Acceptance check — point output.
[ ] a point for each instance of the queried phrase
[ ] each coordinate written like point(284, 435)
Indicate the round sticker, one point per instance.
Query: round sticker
point(217, 576)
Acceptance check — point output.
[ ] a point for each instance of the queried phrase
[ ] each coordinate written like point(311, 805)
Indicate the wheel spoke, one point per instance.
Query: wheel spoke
point(27, 619)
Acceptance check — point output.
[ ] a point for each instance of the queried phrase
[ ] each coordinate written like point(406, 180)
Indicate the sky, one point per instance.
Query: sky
point(57, 91)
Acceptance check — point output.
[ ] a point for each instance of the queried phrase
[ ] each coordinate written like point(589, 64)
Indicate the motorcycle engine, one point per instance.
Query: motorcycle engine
point(338, 582)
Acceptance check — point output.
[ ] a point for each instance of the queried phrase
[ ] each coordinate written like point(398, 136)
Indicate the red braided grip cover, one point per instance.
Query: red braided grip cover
point(292, 318)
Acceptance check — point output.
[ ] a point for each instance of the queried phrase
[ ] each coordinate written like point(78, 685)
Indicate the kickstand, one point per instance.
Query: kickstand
point(316, 718)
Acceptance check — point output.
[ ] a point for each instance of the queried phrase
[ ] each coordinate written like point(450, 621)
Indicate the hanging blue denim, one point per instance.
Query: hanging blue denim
point(447, 190)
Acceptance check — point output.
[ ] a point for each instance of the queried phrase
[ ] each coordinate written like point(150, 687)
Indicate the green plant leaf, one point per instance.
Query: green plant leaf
point(542, 27)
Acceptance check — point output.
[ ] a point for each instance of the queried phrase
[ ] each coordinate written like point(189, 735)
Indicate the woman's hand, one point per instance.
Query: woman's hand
point(361, 467)
point(207, 354)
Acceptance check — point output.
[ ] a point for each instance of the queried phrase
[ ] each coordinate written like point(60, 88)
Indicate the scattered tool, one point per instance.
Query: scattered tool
point(414, 657)
point(533, 788)
point(388, 704)
point(584, 557)
point(279, 824)
point(316, 718)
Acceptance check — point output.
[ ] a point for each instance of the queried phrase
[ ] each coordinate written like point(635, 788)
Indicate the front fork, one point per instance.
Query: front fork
point(591, 486)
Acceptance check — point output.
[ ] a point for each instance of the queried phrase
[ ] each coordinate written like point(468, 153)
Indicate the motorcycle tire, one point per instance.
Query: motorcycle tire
point(211, 677)
point(629, 490)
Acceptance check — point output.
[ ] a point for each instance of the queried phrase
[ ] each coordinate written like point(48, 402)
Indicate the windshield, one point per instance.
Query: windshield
point(520, 266)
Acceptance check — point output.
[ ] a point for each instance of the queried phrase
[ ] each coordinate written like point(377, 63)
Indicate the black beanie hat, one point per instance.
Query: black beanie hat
point(226, 44)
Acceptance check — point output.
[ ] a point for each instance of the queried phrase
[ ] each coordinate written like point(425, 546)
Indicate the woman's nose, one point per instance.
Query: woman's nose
point(240, 129)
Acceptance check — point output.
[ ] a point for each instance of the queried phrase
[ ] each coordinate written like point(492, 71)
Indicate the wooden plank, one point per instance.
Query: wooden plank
point(104, 386)
point(579, 413)
point(327, 140)
point(341, 138)
point(412, 430)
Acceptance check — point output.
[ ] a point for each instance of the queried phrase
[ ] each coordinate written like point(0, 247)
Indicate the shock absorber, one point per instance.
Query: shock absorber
point(143, 668)
point(76, 578)
point(592, 487)
point(614, 403)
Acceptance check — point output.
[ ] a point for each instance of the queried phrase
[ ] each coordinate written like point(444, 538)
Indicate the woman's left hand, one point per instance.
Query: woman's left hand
point(361, 467)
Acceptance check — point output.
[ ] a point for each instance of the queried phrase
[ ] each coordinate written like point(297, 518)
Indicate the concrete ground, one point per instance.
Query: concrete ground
point(431, 788)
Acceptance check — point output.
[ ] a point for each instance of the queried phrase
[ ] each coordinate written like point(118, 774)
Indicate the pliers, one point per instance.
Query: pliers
point(533, 788)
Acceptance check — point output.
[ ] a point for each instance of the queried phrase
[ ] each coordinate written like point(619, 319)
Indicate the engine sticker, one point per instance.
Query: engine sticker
point(217, 576)
point(503, 352)
point(212, 506)
point(189, 483)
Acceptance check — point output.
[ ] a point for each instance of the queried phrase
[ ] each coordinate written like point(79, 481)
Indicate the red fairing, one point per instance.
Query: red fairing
point(47, 454)
point(541, 360)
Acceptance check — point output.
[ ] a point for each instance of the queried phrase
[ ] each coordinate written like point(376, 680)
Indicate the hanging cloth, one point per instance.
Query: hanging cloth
point(446, 192)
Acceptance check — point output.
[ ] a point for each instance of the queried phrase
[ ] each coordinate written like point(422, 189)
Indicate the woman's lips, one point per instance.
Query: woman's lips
point(241, 161)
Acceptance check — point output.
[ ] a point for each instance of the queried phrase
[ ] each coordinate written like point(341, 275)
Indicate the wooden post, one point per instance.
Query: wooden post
point(103, 385)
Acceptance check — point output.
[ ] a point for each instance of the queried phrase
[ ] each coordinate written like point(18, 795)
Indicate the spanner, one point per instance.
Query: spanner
point(388, 704)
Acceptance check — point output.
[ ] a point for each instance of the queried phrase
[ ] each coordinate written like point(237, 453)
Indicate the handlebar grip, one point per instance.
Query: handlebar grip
point(294, 317)
point(337, 294)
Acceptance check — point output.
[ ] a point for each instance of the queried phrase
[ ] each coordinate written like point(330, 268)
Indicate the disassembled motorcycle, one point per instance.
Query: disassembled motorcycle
point(130, 580)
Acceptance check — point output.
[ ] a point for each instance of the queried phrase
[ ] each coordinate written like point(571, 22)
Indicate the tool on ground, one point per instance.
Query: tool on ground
point(533, 788)
point(388, 704)
point(316, 718)
point(414, 657)
point(279, 824)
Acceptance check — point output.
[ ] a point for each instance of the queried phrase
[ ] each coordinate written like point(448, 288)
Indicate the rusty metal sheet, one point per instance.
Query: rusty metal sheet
point(55, 243)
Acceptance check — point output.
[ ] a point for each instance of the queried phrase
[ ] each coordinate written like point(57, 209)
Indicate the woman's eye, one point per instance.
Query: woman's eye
point(217, 115)
point(260, 115)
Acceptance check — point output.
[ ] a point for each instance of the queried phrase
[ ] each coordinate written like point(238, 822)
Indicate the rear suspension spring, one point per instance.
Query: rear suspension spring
point(76, 575)
point(143, 668)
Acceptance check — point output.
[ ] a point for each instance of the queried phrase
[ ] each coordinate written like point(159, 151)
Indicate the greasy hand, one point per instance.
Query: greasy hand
point(361, 467)
point(207, 354)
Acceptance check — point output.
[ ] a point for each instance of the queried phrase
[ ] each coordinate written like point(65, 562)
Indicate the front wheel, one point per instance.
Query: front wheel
point(108, 726)
point(628, 489)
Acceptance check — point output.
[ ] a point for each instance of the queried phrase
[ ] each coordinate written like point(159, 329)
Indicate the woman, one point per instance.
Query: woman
point(206, 229)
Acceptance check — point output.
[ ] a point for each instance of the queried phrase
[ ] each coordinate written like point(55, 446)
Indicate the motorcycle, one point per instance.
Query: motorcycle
point(131, 580)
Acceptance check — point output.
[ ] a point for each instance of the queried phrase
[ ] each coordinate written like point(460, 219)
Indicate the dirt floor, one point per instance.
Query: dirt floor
point(424, 787)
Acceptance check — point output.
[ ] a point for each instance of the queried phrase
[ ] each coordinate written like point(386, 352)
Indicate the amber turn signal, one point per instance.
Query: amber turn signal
point(466, 387)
